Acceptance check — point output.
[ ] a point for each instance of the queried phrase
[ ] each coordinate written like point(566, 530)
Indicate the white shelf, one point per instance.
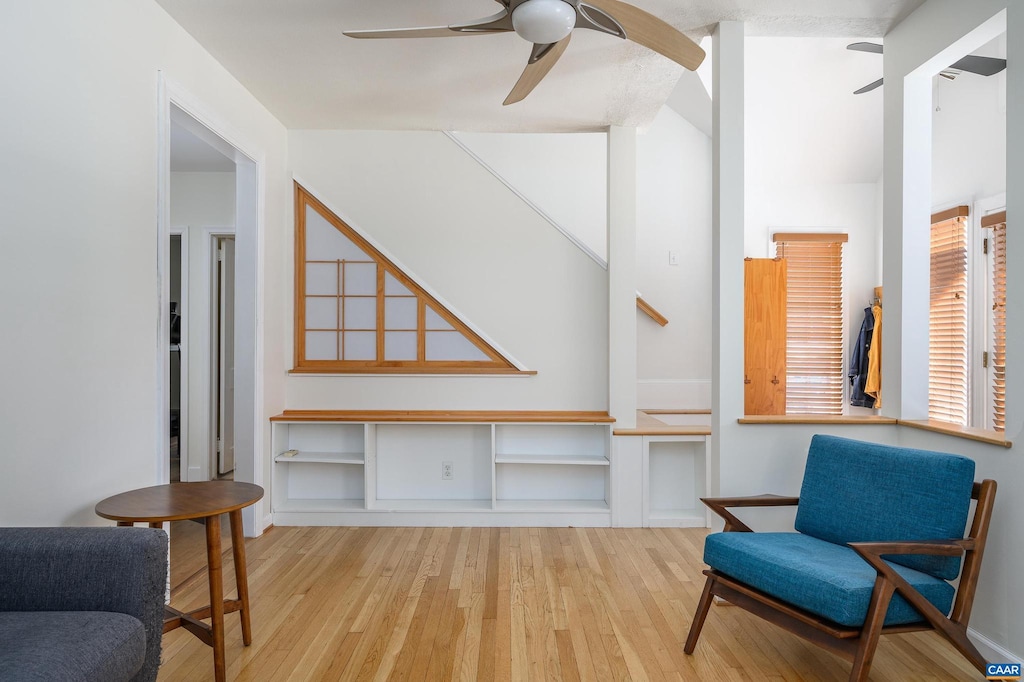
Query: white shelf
point(551, 505)
point(588, 460)
point(293, 505)
point(394, 473)
point(323, 458)
point(433, 505)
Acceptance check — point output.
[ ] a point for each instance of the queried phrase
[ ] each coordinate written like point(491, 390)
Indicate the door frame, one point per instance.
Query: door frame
point(183, 357)
point(177, 104)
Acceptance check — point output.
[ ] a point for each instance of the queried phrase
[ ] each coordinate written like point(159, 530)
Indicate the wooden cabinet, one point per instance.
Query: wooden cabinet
point(764, 328)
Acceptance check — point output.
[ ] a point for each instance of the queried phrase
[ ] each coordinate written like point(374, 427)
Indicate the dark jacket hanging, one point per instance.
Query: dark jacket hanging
point(859, 362)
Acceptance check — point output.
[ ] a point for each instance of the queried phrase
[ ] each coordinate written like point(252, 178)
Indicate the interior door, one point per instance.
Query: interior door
point(764, 336)
point(226, 356)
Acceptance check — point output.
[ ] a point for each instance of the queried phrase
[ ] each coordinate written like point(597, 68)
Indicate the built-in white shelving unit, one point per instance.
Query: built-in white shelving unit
point(388, 468)
point(675, 478)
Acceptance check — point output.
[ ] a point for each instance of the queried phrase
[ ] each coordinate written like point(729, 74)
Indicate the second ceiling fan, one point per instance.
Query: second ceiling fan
point(548, 24)
point(972, 63)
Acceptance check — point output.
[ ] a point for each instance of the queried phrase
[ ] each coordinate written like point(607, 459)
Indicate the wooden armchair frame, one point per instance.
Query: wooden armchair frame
point(858, 644)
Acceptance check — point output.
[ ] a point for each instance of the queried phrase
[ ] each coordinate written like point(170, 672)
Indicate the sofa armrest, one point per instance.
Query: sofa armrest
point(123, 570)
point(721, 505)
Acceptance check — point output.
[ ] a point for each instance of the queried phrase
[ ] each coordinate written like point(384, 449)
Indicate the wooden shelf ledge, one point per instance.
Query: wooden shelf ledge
point(647, 425)
point(815, 419)
point(444, 416)
point(980, 435)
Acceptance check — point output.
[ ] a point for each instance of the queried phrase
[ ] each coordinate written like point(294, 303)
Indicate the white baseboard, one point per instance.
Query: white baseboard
point(993, 653)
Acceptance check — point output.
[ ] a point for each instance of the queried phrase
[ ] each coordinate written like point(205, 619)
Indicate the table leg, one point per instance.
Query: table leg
point(126, 523)
point(241, 579)
point(216, 595)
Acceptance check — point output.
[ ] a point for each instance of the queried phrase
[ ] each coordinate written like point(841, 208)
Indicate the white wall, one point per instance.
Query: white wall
point(464, 236)
point(202, 199)
point(968, 138)
point(79, 189)
point(564, 175)
point(674, 214)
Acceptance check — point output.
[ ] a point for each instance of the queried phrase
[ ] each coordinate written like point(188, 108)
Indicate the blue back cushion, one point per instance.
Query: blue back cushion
point(866, 492)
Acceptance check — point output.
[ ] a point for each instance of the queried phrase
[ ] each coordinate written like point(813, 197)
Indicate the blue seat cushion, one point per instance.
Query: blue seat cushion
point(83, 646)
point(866, 492)
point(826, 579)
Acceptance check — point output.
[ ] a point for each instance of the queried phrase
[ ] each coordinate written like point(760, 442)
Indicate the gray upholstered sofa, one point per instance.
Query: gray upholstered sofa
point(81, 603)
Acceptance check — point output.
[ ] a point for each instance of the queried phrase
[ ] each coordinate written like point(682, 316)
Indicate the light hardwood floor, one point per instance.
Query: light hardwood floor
point(505, 604)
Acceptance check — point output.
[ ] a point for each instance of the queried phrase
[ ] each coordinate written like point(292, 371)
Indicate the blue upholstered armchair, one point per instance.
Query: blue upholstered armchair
point(81, 603)
point(879, 539)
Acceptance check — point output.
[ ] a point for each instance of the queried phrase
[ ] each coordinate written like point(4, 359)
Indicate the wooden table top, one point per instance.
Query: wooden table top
point(179, 501)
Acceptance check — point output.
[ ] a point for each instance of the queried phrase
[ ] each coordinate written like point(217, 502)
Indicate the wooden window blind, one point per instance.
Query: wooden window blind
point(948, 396)
point(997, 247)
point(815, 374)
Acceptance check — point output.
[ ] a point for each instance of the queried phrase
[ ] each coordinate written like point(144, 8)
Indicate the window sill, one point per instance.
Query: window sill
point(980, 435)
point(411, 372)
point(815, 419)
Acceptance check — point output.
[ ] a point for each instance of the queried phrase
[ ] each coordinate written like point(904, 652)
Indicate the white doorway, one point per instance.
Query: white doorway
point(221, 368)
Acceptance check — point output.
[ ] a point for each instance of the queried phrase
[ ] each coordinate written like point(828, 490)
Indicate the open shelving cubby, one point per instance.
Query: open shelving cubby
point(552, 467)
point(388, 468)
point(676, 479)
point(327, 474)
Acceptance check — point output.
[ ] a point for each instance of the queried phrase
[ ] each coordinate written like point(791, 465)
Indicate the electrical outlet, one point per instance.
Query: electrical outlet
point(447, 471)
point(673, 258)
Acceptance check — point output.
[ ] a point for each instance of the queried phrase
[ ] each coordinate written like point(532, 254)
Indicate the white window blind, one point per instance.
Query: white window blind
point(814, 321)
point(947, 341)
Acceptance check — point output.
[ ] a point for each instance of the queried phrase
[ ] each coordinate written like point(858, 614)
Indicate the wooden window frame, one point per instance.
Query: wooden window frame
point(834, 377)
point(996, 386)
point(496, 363)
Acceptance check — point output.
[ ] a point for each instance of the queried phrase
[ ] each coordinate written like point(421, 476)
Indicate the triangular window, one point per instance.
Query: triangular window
point(355, 311)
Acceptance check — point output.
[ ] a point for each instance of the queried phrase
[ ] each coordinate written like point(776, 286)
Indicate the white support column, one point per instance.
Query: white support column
point(1015, 252)
point(622, 276)
point(727, 215)
point(905, 250)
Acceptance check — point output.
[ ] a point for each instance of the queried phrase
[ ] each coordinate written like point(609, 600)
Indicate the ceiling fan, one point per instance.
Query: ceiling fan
point(983, 66)
point(548, 24)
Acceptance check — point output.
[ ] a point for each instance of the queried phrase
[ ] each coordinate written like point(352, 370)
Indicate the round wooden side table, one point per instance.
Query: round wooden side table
point(205, 500)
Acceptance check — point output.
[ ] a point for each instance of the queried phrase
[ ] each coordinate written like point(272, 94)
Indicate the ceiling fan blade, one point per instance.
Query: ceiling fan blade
point(543, 58)
point(648, 30)
point(869, 87)
point(865, 47)
point(496, 23)
point(983, 66)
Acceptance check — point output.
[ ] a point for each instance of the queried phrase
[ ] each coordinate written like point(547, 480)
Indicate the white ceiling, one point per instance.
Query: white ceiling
point(292, 56)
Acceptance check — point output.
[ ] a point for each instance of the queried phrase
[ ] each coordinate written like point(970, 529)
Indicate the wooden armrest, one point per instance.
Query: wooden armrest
point(720, 505)
point(933, 547)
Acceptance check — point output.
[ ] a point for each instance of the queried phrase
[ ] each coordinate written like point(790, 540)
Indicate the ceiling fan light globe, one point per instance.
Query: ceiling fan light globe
point(544, 21)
